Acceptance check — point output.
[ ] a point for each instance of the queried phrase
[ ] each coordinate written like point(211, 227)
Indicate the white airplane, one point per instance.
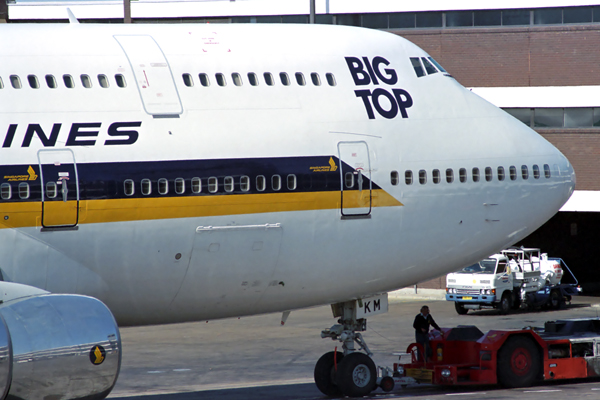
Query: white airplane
point(192, 172)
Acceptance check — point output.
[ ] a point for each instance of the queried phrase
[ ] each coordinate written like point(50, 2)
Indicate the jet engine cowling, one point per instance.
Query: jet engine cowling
point(55, 346)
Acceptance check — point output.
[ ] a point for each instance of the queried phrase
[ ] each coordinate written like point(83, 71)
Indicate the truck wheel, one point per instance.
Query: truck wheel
point(460, 308)
point(356, 375)
point(518, 362)
point(505, 304)
point(554, 301)
point(325, 373)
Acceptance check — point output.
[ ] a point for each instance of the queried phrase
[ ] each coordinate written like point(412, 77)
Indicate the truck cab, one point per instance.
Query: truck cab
point(486, 283)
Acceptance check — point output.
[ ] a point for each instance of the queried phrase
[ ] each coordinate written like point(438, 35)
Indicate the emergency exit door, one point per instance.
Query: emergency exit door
point(355, 175)
point(60, 188)
point(152, 75)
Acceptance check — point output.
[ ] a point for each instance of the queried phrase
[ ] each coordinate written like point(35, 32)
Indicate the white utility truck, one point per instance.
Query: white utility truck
point(511, 279)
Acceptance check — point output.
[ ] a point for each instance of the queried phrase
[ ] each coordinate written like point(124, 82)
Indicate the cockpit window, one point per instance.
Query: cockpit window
point(416, 63)
point(438, 66)
point(428, 66)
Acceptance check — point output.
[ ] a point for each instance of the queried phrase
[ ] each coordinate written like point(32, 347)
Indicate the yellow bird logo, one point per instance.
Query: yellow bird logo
point(31, 172)
point(97, 355)
point(332, 164)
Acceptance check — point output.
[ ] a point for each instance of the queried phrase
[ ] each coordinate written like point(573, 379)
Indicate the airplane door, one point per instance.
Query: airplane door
point(355, 175)
point(152, 75)
point(60, 188)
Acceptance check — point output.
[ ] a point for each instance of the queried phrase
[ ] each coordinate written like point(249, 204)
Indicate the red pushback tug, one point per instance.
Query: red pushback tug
point(564, 349)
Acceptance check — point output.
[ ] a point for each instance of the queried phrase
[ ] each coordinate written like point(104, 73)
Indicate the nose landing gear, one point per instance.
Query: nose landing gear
point(350, 372)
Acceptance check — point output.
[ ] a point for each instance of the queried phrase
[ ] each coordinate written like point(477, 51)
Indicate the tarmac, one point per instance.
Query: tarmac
point(256, 358)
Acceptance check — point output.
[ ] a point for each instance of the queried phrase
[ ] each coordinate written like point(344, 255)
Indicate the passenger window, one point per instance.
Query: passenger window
point(228, 184)
point(15, 82)
point(86, 81)
point(187, 80)
point(146, 187)
point(536, 171)
point(245, 183)
point(291, 182)
point(68, 81)
point(547, 172)
point(204, 81)
point(220, 81)
point(128, 187)
point(163, 186)
point(5, 191)
point(261, 183)
point(33, 81)
point(449, 175)
point(103, 81)
point(120, 79)
point(213, 184)
point(276, 182)
point(300, 79)
point(513, 173)
point(285, 80)
point(269, 79)
point(462, 175)
point(237, 79)
point(196, 185)
point(24, 190)
point(314, 77)
point(428, 66)
point(51, 191)
point(330, 79)
point(394, 178)
point(179, 185)
point(488, 174)
point(408, 177)
point(253, 79)
point(524, 172)
point(1, 83)
point(51, 82)
point(416, 63)
point(475, 174)
point(500, 173)
point(349, 179)
point(436, 176)
point(422, 177)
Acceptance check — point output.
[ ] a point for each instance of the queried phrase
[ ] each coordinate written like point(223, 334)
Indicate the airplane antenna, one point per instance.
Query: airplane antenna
point(72, 18)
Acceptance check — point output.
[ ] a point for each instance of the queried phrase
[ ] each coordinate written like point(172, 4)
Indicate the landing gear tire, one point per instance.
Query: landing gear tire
point(554, 301)
point(460, 308)
point(519, 362)
point(356, 375)
point(505, 304)
point(325, 375)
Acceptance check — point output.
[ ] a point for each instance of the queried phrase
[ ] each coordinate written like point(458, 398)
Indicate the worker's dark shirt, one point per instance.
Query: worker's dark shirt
point(422, 322)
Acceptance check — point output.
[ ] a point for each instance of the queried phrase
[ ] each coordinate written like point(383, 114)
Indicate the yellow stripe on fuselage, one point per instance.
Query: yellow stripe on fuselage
point(17, 215)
